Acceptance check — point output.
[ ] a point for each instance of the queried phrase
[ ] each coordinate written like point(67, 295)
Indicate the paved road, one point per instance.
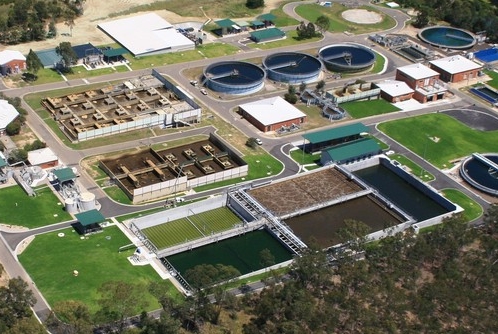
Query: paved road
point(279, 147)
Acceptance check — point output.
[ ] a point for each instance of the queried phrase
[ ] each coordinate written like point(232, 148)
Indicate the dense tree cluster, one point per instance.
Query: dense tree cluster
point(253, 4)
point(473, 15)
point(306, 31)
point(34, 20)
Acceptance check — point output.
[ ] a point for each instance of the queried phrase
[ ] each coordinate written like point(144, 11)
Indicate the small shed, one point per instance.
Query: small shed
point(114, 54)
point(227, 26)
point(64, 175)
point(44, 158)
point(268, 19)
point(89, 222)
point(267, 35)
point(395, 91)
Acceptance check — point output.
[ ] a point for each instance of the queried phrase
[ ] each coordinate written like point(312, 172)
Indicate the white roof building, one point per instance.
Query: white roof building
point(418, 71)
point(272, 111)
point(9, 55)
point(7, 114)
point(42, 156)
point(395, 88)
point(147, 34)
point(455, 64)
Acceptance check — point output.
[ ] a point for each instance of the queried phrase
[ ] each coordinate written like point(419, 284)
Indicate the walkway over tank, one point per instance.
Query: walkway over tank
point(486, 161)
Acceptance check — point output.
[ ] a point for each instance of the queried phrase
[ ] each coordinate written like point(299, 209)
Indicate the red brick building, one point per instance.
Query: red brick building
point(455, 68)
point(395, 91)
point(12, 62)
point(272, 114)
point(424, 81)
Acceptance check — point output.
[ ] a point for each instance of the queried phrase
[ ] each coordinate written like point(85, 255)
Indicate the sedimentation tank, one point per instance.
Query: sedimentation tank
point(448, 37)
point(481, 172)
point(347, 57)
point(292, 67)
point(234, 77)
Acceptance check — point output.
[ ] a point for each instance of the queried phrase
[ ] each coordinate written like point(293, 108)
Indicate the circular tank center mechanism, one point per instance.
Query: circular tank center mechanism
point(347, 57)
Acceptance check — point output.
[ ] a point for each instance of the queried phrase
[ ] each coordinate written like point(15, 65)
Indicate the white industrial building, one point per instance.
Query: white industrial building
point(147, 34)
point(7, 114)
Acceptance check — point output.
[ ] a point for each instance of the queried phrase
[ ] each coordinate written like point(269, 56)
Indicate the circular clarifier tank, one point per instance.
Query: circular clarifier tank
point(347, 57)
point(234, 77)
point(292, 67)
point(481, 171)
point(447, 37)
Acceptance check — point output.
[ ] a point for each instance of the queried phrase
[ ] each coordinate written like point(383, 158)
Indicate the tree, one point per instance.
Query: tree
point(302, 87)
point(320, 85)
point(16, 300)
point(323, 23)
point(266, 258)
point(119, 300)
point(70, 317)
point(17, 155)
point(67, 54)
point(354, 233)
point(13, 128)
point(26, 325)
point(291, 96)
point(253, 4)
point(33, 63)
point(423, 18)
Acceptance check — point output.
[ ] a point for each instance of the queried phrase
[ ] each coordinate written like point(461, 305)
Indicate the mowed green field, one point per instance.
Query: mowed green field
point(17, 208)
point(50, 261)
point(195, 227)
point(439, 138)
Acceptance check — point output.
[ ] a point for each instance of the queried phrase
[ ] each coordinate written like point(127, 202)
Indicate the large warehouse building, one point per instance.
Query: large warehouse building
point(272, 114)
point(147, 34)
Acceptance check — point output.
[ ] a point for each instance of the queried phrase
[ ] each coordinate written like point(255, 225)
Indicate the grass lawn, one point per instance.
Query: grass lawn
point(472, 209)
point(379, 63)
point(17, 208)
point(50, 261)
point(415, 169)
point(304, 158)
point(494, 78)
point(439, 138)
point(290, 40)
point(311, 12)
point(361, 109)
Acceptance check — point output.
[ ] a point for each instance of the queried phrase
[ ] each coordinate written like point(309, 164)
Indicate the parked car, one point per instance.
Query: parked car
point(258, 141)
point(193, 83)
point(204, 92)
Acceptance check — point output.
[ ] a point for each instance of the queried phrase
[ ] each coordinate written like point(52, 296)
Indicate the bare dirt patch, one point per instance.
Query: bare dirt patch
point(361, 16)
point(85, 28)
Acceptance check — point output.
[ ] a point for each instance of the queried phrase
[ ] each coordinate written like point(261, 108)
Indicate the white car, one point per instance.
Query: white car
point(258, 141)
point(204, 92)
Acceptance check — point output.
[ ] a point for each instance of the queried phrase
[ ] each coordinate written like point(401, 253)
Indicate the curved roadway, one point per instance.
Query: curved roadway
point(278, 147)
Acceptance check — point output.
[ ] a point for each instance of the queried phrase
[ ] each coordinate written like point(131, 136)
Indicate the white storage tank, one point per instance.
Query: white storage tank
point(87, 201)
point(70, 205)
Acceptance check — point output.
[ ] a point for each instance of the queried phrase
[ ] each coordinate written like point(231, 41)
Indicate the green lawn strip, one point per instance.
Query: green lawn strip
point(291, 39)
point(379, 63)
point(260, 165)
point(415, 169)
point(439, 138)
point(17, 208)
point(196, 226)
point(117, 194)
point(472, 209)
point(304, 158)
point(311, 12)
point(50, 261)
point(494, 78)
point(361, 109)
point(282, 20)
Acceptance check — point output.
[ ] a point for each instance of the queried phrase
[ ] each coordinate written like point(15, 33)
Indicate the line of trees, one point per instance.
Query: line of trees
point(34, 20)
point(473, 15)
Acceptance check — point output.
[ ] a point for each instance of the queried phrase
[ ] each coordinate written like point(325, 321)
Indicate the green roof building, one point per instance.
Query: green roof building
point(266, 35)
point(350, 151)
point(317, 141)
